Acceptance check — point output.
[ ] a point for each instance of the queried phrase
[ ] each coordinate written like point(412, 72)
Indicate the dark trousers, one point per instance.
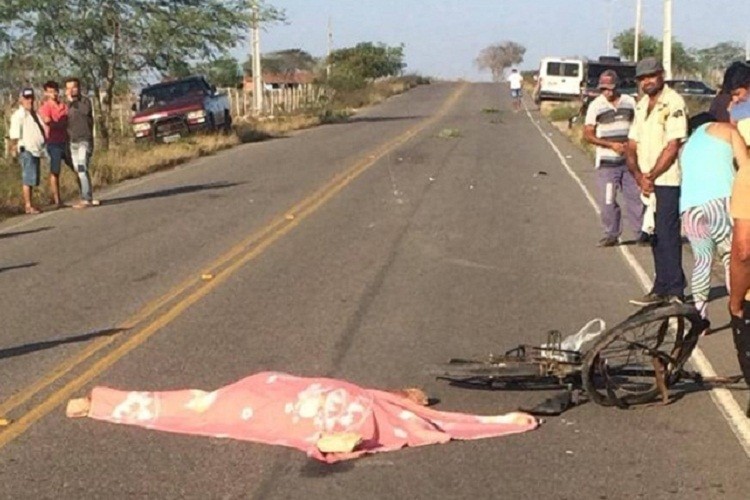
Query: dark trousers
point(741, 335)
point(667, 246)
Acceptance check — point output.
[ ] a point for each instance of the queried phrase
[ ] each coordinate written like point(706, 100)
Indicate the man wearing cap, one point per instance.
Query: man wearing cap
point(659, 128)
point(27, 143)
point(607, 124)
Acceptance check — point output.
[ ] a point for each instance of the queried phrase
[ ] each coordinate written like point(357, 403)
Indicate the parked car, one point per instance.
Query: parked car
point(170, 110)
point(559, 79)
point(625, 71)
point(691, 88)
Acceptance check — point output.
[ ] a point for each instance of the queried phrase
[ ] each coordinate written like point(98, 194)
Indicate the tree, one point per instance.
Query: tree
point(713, 60)
point(283, 61)
point(683, 60)
point(499, 57)
point(368, 60)
point(105, 41)
point(222, 72)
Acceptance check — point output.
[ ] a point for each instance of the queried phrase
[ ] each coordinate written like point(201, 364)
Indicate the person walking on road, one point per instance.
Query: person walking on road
point(54, 114)
point(658, 131)
point(606, 126)
point(81, 136)
point(27, 144)
point(516, 86)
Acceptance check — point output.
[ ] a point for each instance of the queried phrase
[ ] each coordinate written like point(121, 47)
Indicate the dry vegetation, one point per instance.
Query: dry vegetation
point(561, 114)
point(127, 160)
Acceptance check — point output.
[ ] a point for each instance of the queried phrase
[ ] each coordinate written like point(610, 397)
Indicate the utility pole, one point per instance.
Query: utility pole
point(330, 48)
point(609, 25)
point(257, 71)
point(667, 41)
point(638, 13)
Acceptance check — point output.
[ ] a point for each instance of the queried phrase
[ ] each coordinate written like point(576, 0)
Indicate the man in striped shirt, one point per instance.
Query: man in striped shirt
point(608, 121)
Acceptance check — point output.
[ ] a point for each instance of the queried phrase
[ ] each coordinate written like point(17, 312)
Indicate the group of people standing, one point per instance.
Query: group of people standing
point(61, 131)
point(679, 175)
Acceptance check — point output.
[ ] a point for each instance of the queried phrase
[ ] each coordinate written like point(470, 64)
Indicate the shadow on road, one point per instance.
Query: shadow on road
point(11, 352)
point(20, 233)
point(18, 266)
point(375, 119)
point(192, 188)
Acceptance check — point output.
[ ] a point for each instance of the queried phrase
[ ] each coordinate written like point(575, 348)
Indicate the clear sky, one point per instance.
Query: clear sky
point(443, 37)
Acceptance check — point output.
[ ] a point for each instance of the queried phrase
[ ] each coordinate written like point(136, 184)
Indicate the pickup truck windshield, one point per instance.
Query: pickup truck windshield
point(163, 94)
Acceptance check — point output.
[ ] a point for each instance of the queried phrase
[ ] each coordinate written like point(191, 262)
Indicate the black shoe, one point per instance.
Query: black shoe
point(608, 241)
point(644, 240)
point(650, 299)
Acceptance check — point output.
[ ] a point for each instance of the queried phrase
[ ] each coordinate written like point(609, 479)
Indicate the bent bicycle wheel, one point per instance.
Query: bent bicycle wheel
point(637, 360)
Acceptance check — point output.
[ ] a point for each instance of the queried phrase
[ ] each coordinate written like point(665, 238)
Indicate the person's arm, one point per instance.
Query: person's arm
point(631, 159)
point(14, 134)
point(739, 266)
point(740, 150)
point(666, 159)
point(589, 133)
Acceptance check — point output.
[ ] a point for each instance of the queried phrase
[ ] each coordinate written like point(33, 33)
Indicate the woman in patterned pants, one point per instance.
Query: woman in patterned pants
point(708, 172)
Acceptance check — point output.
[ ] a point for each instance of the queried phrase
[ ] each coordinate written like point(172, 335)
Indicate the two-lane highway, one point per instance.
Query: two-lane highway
point(364, 251)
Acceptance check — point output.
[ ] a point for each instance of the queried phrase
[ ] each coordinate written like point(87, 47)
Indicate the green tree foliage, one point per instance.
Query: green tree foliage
point(107, 41)
point(715, 59)
point(499, 57)
point(353, 66)
point(283, 62)
point(683, 61)
point(222, 72)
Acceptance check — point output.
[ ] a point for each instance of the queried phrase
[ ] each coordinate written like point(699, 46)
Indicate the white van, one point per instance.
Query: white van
point(560, 79)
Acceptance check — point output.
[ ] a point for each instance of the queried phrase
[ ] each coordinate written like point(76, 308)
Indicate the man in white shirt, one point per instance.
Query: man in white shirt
point(516, 84)
point(27, 144)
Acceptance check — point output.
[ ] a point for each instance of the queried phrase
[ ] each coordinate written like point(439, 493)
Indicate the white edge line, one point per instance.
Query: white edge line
point(722, 398)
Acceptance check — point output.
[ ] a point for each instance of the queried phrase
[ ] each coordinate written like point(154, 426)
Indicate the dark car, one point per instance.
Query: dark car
point(625, 71)
point(691, 88)
point(170, 110)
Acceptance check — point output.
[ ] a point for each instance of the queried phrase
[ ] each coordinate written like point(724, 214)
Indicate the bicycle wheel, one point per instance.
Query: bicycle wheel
point(621, 367)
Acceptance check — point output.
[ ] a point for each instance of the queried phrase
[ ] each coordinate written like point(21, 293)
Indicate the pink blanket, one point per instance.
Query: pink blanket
point(281, 409)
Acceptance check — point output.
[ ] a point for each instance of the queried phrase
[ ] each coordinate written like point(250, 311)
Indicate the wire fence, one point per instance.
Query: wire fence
point(275, 102)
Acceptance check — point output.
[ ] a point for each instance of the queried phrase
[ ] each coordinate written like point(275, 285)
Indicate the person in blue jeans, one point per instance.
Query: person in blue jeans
point(81, 139)
point(54, 115)
point(26, 135)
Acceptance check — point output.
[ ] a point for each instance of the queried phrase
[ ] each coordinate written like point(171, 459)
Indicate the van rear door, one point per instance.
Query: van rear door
point(561, 78)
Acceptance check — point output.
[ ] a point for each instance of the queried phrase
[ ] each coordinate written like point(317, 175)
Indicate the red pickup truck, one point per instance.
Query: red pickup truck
point(168, 111)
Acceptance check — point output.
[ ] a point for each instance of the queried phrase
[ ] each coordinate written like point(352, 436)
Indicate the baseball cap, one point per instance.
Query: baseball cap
point(27, 92)
point(608, 80)
point(648, 66)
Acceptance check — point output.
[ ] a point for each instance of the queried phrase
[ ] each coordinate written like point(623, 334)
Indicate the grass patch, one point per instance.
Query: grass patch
point(563, 113)
point(126, 159)
point(490, 110)
point(449, 133)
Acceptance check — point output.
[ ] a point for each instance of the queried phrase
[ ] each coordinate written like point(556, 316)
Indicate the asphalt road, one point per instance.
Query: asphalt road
point(364, 251)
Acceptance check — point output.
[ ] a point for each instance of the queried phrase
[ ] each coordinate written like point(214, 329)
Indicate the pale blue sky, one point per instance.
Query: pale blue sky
point(443, 37)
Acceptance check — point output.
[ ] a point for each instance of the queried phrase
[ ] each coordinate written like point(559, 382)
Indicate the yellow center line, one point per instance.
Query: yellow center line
point(259, 242)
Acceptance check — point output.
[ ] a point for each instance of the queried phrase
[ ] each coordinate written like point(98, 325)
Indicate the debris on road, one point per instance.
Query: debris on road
point(449, 133)
point(207, 276)
point(4, 422)
point(541, 172)
point(289, 217)
point(331, 420)
point(490, 110)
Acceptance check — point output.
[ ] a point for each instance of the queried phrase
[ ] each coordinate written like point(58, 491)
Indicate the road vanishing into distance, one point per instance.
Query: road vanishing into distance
point(425, 228)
